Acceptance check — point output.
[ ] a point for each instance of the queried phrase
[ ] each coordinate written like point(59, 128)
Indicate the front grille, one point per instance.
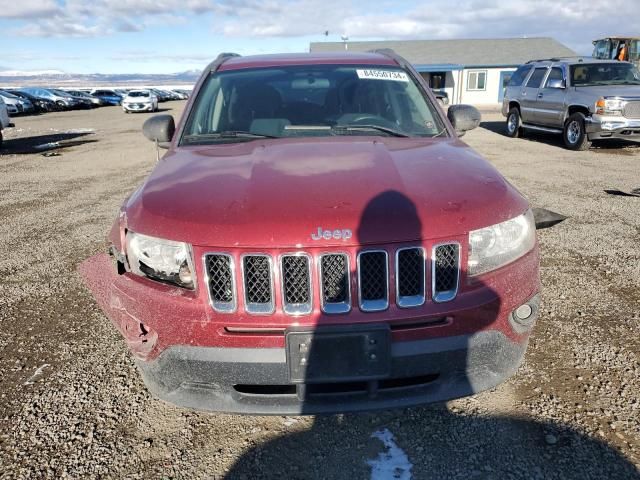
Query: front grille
point(297, 275)
point(410, 280)
point(258, 283)
point(296, 284)
point(220, 278)
point(632, 110)
point(373, 279)
point(334, 281)
point(445, 272)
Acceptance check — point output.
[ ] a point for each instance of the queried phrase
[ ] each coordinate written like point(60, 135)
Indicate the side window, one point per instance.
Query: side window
point(634, 50)
point(536, 79)
point(601, 49)
point(519, 75)
point(555, 74)
point(477, 80)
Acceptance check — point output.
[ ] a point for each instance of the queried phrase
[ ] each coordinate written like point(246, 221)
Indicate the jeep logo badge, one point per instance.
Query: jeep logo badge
point(344, 234)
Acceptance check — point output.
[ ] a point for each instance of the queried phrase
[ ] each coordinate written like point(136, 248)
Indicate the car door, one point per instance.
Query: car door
point(550, 104)
point(529, 95)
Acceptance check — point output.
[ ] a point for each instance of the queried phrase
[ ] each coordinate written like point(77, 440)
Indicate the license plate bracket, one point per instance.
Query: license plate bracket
point(338, 354)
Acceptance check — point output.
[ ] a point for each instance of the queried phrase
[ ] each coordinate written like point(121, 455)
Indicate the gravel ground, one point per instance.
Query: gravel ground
point(72, 404)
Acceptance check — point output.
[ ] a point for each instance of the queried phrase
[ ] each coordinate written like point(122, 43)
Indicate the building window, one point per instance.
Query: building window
point(477, 80)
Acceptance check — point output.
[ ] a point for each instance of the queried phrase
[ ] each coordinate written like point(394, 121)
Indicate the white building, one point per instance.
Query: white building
point(469, 71)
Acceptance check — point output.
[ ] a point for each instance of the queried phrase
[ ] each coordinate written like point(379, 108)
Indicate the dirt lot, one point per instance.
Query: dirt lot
point(72, 404)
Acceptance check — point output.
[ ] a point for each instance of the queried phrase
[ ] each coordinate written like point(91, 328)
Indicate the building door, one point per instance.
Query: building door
point(437, 80)
point(505, 77)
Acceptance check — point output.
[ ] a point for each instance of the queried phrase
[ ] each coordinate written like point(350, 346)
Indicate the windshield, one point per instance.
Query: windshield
point(604, 74)
point(311, 100)
point(138, 94)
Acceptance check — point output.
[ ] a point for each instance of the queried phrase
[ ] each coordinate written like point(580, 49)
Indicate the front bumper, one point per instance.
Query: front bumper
point(138, 107)
point(255, 381)
point(188, 357)
point(600, 127)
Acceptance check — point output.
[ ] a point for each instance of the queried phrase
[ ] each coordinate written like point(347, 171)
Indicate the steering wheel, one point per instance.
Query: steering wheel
point(365, 119)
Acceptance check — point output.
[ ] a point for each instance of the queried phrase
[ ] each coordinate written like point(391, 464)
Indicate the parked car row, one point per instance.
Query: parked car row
point(30, 100)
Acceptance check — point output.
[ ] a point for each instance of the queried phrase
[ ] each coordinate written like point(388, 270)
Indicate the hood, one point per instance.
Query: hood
point(611, 91)
point(277, 193)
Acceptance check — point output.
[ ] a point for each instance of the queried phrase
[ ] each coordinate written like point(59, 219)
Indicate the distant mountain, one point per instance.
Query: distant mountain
point(55, 78)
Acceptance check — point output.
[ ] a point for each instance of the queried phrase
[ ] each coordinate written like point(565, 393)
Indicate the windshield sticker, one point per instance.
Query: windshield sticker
point(382, 75)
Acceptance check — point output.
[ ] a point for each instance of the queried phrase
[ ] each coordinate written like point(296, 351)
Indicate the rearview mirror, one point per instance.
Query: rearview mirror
point(159, 128)
point(463, 118)
point(555, 83)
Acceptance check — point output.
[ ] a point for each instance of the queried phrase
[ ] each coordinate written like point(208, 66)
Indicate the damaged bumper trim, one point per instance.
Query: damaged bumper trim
point(255, 381)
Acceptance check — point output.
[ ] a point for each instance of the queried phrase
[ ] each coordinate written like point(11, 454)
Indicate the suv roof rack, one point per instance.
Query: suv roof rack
point(220, 59)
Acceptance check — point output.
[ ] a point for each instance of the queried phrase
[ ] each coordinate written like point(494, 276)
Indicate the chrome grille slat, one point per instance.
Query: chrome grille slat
point(410, 278)
point(445, 272)
point(296, 283)
point(257, 274)
point(373, 280)
point(219, 270)
point(335, 294)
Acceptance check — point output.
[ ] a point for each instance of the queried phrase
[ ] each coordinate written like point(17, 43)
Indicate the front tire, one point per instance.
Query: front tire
point(574, 134)
point(514, 123)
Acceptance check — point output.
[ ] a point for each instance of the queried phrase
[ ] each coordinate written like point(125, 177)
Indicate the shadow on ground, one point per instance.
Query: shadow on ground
point(44, 143)
point(438, 444)
point(613, 146)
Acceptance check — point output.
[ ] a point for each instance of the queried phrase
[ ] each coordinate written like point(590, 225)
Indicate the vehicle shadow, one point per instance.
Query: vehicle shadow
point(436, 443)
point(44, 143)
point(556, 139)
point(428, 442)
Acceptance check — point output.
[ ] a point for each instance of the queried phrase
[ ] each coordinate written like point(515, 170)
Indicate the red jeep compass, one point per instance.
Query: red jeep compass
point(318, 239)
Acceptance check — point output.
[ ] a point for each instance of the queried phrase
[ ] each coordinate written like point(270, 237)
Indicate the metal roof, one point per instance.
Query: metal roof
point(477, 52)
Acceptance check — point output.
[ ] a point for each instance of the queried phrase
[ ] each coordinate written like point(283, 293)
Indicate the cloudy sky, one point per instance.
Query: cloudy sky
point(164, 36)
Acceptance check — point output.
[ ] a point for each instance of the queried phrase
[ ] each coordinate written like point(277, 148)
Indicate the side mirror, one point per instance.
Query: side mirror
point(463, 118)
point(159, 128)
point(556, 84)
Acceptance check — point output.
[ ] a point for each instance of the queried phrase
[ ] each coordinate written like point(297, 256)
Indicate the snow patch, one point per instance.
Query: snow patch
point(393, 464)
point(47, 146)
point(36, 374)
point(80, 130)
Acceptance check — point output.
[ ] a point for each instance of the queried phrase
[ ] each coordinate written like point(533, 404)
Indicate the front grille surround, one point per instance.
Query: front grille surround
point(375, 304)
point(445, 260)
point(419, 297)
point(296, 308)
point(250, 306)
point(343, 306)
point(217, 304)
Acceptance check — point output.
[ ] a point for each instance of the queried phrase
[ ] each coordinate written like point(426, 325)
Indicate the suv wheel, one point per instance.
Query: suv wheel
point(514, 123)
point(575, 137)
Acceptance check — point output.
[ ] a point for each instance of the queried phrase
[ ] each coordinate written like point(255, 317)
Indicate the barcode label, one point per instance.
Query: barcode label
point(382, 75)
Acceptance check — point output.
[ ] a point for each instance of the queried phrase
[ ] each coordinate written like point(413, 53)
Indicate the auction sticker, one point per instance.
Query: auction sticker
point(382, 75)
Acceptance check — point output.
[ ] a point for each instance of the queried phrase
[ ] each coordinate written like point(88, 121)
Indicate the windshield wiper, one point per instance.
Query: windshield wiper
point(349, 128)
point(225, 135)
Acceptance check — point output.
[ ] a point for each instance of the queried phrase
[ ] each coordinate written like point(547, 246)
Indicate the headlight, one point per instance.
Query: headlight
point(500, 244)
point(160, 259)
point(609, 106)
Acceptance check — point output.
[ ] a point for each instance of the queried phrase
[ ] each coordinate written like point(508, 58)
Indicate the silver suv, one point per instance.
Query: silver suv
point(582, 98)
